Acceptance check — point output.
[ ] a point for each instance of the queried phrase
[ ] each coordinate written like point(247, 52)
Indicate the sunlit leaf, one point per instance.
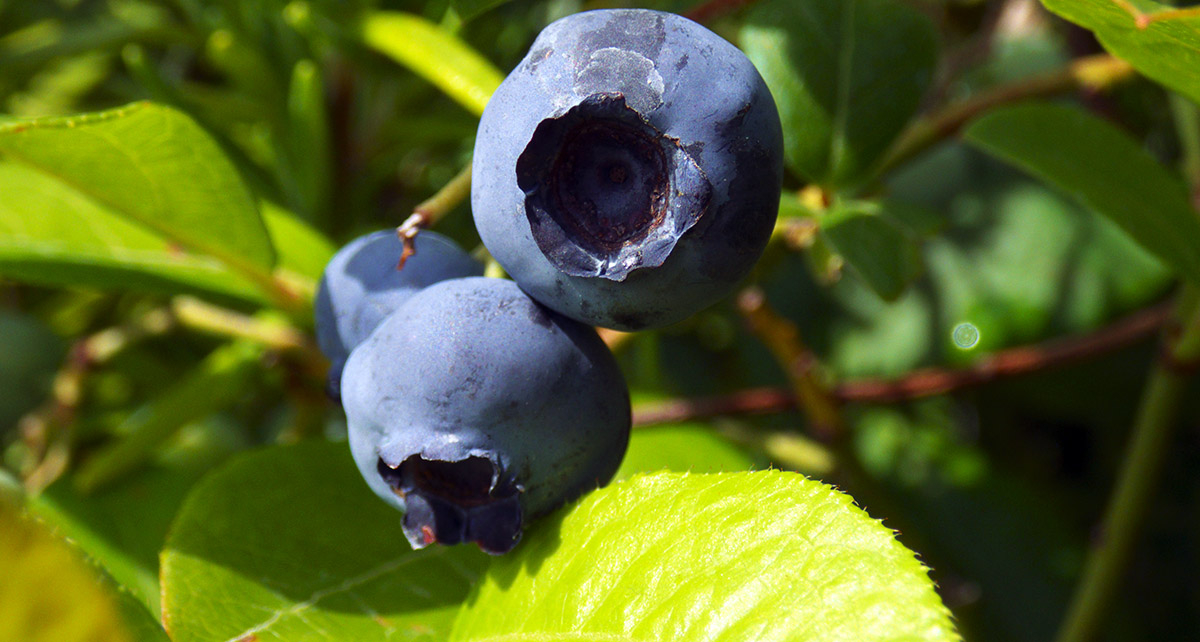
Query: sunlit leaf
point(1166, 50)
point(154, 166)
point(49, 593)
point(434, 54)
point(733, 556)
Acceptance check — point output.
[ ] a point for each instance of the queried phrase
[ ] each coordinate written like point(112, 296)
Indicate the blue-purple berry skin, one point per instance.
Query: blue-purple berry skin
point(361, 286)
point(474, 409)
point(627, 172)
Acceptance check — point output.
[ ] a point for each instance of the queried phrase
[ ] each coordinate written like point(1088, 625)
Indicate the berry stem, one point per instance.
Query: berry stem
point(265, 329)
point(431, 210)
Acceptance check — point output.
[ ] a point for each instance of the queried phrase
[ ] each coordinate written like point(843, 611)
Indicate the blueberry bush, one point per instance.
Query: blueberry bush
point(725, 320)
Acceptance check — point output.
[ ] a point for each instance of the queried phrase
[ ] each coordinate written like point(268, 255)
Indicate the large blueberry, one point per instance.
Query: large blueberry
point(361, 286)
point(474, 409)
point(627, 172)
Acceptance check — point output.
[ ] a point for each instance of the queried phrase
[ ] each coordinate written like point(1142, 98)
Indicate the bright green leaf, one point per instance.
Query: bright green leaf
point(733, 556)
point(1167, 51)
point(693, 448)
point(875, 247)
point(289, 543)
point(436, 55)
point(847, 76)
point(1102, 167)
point(152, 165)
point(51, 233)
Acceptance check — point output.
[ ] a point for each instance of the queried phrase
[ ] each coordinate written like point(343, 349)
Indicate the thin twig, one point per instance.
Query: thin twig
point(925, 382)
point(744, 402)
point(801, 366)
point(1092, 73)
point(614, 339)
point(429, 211)
point(1144, 20)
point(276, 334)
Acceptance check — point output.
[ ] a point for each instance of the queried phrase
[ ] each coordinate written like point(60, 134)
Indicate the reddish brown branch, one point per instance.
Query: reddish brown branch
point(925, 382)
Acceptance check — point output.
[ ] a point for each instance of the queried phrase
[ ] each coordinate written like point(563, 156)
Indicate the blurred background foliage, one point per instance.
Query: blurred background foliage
point(111, 407)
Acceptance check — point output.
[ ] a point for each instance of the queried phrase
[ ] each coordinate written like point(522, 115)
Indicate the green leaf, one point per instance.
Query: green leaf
point(733, 556)
point(153, 165)
point(434, 54)
point(309, 152)
point(847, 76)
point(693, 448)
point(1103, 168)
point(875, 247)
point(1167, 51)
point(288, 543)
point(53, 234)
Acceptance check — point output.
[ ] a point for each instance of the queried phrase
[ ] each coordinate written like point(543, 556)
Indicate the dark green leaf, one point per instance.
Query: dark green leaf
point(30, 354)
point(876, 248)
point(1102, 167)
point(733, 556)
point(847, 76)
point(1167, 51)
point(288, 543)
point(310, 155)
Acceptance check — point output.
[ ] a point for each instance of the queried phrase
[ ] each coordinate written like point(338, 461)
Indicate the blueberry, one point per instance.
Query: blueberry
point(361, 286)
point(474, 409)
point(627, 172)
